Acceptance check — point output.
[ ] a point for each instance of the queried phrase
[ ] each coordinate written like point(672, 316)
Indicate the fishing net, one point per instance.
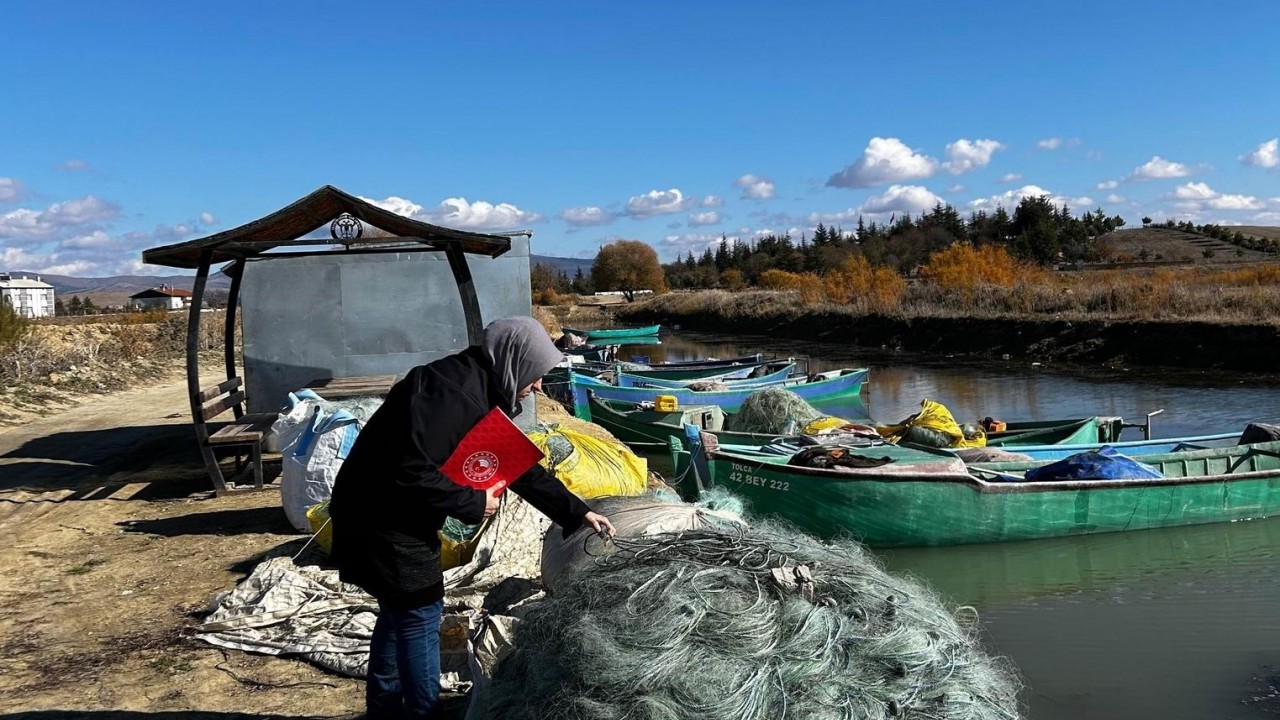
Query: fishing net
point(630, 366)
point(773, 411)
point(744, 623)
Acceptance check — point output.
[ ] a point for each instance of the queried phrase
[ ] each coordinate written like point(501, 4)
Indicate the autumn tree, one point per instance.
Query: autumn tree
point(627, 265)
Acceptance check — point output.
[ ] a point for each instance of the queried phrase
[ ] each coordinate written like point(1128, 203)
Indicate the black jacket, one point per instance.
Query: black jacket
point(390, 498)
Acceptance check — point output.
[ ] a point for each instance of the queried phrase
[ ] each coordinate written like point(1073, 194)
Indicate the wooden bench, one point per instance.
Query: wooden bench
point(243, 437)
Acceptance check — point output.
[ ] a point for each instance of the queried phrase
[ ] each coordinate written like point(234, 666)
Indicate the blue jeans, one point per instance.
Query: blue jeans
point(404, 664)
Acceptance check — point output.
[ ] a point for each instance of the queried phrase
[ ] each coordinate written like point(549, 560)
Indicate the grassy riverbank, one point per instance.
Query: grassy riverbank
point(1185, 326)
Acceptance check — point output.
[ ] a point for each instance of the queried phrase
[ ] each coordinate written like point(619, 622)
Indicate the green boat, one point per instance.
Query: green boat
point(649, 428)
point(615, 333)
point(930, 503)
point(820, 387)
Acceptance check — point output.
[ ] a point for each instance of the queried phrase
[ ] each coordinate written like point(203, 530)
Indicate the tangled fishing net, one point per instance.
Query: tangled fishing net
point(744, 624)
point(774, 411)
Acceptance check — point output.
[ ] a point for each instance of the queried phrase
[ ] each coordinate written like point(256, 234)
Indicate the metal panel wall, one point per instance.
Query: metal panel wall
point(346, 315)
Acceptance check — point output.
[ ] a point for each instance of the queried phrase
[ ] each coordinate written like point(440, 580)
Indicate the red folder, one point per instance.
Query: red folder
point(492, 454)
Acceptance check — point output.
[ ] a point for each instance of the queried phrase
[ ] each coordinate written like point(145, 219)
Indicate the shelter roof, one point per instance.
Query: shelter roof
point(287, 227)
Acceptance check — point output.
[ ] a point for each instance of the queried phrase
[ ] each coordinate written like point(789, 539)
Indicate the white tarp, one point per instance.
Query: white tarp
point(283, 608)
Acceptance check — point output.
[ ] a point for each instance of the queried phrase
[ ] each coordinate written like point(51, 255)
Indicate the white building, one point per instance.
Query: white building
point(28, 297)
point(165, 297)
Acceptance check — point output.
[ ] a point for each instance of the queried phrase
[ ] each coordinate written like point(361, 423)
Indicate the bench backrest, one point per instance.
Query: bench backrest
point(217, 399)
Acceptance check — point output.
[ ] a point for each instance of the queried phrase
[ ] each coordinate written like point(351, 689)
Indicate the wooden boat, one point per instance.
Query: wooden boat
point(760, 375)
point(823, 386)
point(641, 427)
point(619, 334)
point(927, 503)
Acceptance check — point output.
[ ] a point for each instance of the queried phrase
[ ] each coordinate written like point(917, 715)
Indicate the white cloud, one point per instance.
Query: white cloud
point(1267, 218)
point(460, 214)
point(843, 217)
point(1194, 191)
point(885, 160)
point(74, 165)
point(755, 187)
point(1193, 197)
point(11, 190)
point(207, 218)
point(1010, 177)
point(1052, 143)
point(968, 155)
point(1157, 168)
point(1009, 200)
point(397, 205)
point(586, 216)
point(480, 215)
point(94, 240)
point(899, 199)
point(58, 218)
point(694, 241)
point(711, 201)
point(1114, 198)
point(711, 217)
point(1236, 202)
point(658, 202)
point(957, 188)
point(1108, 184)
point(1267, 155)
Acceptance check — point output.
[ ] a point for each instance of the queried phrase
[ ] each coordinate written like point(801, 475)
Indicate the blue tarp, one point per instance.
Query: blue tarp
point(1103, 464)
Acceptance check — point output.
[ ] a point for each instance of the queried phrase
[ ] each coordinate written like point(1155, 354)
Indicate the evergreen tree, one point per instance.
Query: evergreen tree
point(75, 306)
point(88, 308)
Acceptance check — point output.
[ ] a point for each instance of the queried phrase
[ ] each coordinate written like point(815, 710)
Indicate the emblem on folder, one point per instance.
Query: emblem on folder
point(480, 466)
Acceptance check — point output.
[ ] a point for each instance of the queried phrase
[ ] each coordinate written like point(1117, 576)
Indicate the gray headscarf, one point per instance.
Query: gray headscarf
point(522, 352)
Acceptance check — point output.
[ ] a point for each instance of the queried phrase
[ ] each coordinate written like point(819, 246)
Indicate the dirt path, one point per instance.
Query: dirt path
point(113, 544)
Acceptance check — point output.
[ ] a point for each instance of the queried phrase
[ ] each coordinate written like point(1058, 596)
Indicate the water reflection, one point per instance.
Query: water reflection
point(996, 574)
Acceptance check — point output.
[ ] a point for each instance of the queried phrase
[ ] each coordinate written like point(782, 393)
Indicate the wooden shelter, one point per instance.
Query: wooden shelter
point(288, 232)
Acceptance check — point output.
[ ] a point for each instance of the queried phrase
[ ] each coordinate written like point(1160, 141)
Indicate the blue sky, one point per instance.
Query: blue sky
point(668, 122)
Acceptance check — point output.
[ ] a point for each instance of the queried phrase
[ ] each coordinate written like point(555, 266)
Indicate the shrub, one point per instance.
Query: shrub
point(808, 285)
point(13, 327)
point(965, 267)
point(855, 281)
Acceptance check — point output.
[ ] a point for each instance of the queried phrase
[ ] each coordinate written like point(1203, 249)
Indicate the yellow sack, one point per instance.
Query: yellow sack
point(321, 527)
point(593, 467)
point(936, 417)
point(452, 552)
point(456, 553)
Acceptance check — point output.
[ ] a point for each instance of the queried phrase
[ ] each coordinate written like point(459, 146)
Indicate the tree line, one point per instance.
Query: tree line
point(1037, 231)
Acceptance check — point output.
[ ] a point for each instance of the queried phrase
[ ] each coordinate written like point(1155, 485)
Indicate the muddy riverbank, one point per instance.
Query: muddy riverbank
point(1116, 343)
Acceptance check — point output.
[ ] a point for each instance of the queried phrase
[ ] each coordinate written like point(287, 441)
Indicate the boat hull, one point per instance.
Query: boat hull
point(925, 509)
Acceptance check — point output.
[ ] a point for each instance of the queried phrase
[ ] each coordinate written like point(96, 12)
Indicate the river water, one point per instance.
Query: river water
point(1176, 623)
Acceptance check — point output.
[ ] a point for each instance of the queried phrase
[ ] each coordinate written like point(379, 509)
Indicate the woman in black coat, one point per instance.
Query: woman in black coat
point(390, 500)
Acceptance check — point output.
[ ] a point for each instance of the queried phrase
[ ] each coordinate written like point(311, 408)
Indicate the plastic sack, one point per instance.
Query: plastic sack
point(313, 446)
point(828, 424)
point(321, 526)
point(941, 428)
point(591, 467)
point(1105, 463)
point(455, 551)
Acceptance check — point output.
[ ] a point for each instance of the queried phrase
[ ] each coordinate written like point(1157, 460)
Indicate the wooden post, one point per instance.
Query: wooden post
point(229, 331)
point(467, 290)
point(193, 372)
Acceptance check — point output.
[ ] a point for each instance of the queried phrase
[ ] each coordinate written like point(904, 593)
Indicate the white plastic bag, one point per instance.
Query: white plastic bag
point(313, 446)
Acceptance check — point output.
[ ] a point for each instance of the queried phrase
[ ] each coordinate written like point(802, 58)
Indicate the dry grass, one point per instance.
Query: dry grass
point(98, 356)
point(1232, 295)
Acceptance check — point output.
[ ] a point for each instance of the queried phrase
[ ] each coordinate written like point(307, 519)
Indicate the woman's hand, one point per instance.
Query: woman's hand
point(491, 501)
point(598, 523)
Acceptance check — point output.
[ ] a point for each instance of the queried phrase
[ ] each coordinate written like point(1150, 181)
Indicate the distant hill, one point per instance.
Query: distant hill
point(568, 265)
point(1173, 245)
point(115, 290)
